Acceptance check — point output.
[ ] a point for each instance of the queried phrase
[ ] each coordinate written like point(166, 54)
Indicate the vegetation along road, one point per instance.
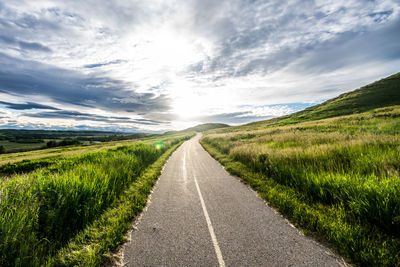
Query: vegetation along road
point(201, 215)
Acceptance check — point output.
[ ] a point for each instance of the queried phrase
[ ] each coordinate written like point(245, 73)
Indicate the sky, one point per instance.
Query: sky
point(159, 65)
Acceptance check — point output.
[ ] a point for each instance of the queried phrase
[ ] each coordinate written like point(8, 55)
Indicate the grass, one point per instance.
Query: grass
point(62, 152)
point(15, 147)
point(54, 211)
point(338, 178)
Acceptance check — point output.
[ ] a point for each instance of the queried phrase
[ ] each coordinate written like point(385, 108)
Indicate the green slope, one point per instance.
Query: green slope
point(207, 126)
point(201, 128)
point(382, 93)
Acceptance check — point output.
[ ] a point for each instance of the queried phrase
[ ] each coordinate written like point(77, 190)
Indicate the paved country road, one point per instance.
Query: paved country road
point(200, 215)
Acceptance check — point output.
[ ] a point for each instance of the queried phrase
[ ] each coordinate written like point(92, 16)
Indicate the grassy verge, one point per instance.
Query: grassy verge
point(51, 207)
point(338, 178)
point(92, 247)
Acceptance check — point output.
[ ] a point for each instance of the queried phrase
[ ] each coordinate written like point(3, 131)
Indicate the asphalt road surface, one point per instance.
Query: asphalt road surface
point(199, 215)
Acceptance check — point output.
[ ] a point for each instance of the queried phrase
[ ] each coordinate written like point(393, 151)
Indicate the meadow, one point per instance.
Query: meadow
point(73, 206)
point(21, 140)
point(11, 147)
point(336, 178)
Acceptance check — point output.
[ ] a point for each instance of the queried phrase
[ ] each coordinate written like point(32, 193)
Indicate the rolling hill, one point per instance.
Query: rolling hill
point(201, 128)
point(382, 93)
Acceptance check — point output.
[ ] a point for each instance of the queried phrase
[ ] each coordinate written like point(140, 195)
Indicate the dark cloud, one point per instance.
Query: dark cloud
point(28, 105)
point(78, 116)
point(352, 49)
point(23, 78)
point(265, 37)
point(32, 46)
point(380, 16)
point(96, 65)
point(243, 29)
point(232, 118)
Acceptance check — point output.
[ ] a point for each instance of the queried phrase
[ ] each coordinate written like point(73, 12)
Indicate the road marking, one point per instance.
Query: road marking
point(184, 167)
point(210, 228)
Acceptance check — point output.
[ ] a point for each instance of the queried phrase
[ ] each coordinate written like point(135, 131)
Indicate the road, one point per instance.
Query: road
point(199, 215)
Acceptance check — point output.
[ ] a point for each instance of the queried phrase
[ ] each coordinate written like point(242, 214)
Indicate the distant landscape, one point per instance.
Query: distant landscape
point(12, 141)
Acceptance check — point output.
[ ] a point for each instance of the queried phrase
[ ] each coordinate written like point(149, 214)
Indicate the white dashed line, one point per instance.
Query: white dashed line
point(210, 228)
point(184, 167)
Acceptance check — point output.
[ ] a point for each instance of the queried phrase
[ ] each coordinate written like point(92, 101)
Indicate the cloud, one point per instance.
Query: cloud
point(33, 46)
point(23, 45)
point(354, 49)
point(25, 78)
point(97, 65)
point(158, 62)
point(247, 113)
point(79, 116)
point(263, 38)
point(28, 105)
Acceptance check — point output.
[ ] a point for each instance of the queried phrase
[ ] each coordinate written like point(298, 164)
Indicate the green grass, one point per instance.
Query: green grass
point(336, 177)
point(94, 245)
point(58, 209)
point(62, 152)
point(17, 147)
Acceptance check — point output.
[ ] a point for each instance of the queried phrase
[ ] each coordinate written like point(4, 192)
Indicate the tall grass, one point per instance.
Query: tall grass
point(94, 246)
point(331, 162)
point(42, 210)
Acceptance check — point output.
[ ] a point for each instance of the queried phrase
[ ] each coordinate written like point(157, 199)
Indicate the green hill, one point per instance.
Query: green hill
point(206, 127)
point(382, 93)
point(201, 128)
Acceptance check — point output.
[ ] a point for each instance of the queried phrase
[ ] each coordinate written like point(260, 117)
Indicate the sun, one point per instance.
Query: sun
point(187, 107)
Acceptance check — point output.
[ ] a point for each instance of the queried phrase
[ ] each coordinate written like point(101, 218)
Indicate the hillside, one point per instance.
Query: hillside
point(382, 93)
point(201, 128)
point(206, 127)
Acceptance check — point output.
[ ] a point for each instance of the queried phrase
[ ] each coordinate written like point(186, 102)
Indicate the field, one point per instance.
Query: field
point(15, 147)
point(337, 178)
point(18, 140)
point(73, 206)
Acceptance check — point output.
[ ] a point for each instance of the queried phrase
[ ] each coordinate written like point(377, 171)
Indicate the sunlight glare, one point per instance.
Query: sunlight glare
point(187, 107)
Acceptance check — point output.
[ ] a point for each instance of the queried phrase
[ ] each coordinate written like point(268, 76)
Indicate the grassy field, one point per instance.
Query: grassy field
point(22, 140)
point(337, 178)
point(65, 151)
point(14, 147)
point(74, 208)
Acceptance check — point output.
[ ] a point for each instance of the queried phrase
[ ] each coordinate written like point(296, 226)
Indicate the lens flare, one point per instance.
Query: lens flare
point(159, 145)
